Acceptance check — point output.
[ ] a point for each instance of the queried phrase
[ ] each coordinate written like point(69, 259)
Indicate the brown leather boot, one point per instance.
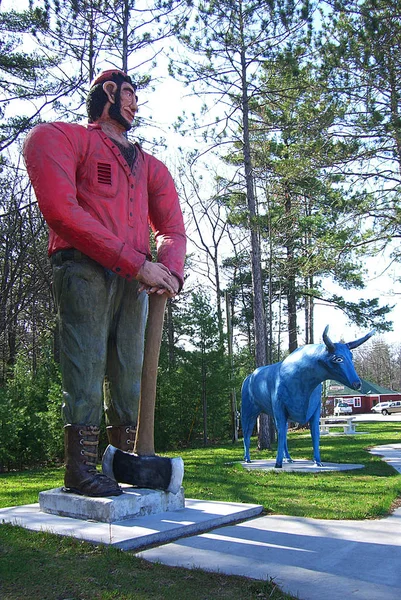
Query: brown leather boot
point(122, 437)
point(81, 477)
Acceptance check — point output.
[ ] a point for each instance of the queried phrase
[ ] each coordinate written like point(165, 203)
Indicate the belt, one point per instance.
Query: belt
point(63, 255)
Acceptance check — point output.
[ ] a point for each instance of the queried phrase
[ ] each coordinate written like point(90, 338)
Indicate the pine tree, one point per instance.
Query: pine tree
point(229, 40)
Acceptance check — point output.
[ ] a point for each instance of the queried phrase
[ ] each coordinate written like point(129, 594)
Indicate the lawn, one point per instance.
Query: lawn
point(216, 473)
point(43, 566)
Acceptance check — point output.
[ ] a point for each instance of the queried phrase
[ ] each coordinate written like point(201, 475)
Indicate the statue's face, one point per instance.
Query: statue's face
point(125, 106)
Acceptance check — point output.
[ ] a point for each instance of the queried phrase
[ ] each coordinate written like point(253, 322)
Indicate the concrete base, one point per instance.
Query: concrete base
point(300, 466)
point(132, 503)
point(333, 433)
point(141, 532)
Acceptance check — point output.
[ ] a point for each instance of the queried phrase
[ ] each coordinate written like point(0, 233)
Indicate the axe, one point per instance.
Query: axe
point(151, 472)
point(143, 469)
point(144, 443)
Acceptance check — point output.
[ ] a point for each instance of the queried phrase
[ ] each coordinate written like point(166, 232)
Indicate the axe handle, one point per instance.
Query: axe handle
point(144, 443)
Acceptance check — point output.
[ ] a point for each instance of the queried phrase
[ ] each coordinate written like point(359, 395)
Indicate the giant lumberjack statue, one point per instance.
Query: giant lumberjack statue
point(98, 193)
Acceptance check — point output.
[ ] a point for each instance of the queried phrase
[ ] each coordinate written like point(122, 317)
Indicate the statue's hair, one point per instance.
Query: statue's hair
point(97, 97)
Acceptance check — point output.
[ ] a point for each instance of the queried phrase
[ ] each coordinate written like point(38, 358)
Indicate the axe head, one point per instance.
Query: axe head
point(151, 472)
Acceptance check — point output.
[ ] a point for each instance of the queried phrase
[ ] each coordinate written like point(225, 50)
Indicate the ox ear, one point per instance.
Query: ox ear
point(356, 343)
point(327, 340)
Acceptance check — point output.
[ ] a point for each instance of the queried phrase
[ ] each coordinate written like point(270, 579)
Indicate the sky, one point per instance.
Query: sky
point(164, 106)
point(380, 280)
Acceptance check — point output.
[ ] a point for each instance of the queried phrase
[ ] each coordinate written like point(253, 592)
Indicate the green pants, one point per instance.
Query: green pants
point(102, 320)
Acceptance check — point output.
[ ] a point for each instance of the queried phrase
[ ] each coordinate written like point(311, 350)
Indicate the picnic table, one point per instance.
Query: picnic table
point(346, 423)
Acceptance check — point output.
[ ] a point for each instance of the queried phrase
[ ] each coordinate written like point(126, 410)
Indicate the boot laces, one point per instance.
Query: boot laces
point(88, 445)
point(131, 433)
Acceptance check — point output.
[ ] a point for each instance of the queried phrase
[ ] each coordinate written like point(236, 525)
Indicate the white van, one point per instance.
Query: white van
point(393, 407)
point(387, 408)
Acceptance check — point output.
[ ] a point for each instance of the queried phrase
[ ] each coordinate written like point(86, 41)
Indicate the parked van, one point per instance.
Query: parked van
point(394, 407)
point(387, 408)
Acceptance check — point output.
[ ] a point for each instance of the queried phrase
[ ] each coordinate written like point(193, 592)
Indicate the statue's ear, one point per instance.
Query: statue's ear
point(110, 88)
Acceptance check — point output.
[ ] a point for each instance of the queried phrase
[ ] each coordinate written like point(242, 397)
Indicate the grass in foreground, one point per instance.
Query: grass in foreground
point(43, 566)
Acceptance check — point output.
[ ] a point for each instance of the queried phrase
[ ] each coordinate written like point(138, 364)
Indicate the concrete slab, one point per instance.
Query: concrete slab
point(197, 516)
point(391, 453)
point(346, 433)
point(132, 503)
point(309, 558)
point(299, 466)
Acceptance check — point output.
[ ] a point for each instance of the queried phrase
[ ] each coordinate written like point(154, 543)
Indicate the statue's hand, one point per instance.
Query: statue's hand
point(157, 279)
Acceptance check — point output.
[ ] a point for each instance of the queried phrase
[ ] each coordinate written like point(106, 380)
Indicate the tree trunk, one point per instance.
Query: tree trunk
point(264, 440)
point(291, 293)
point(234, 417)
point(204, 401)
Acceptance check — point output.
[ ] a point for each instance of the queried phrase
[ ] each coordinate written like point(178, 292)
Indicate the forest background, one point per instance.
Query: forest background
point(280, 121)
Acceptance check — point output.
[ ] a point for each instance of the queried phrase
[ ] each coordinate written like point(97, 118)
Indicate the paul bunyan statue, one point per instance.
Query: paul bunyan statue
point(98, 193)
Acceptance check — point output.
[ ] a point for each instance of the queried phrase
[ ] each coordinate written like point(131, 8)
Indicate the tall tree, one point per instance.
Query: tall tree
point(138, 25)
point(25, 294)
point(360, 51)
point(205, 207)
point(24, 75)
point(311, 224)
point(229, 41)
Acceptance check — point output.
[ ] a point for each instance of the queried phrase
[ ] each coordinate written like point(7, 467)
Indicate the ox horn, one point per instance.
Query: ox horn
point(356, 343)
point(327, 340)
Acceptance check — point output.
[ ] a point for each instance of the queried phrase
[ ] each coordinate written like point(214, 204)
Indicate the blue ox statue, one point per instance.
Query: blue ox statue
point(291, 390)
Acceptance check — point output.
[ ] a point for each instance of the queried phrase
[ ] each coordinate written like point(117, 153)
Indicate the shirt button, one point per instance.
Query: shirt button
point(118, 269)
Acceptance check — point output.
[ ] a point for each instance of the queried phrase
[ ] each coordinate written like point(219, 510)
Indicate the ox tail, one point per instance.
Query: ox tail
point(248, 417)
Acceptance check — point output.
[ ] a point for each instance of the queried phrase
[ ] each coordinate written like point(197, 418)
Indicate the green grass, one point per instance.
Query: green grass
point(43, 566)
point(215, 473)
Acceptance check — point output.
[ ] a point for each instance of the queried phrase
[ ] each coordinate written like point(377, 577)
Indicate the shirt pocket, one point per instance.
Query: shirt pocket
point(103, 178)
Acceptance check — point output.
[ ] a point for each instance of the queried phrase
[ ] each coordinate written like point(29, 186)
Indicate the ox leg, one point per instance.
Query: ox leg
point(281, 426)
point(248, 423)
point(315, 434)
point(286, 453)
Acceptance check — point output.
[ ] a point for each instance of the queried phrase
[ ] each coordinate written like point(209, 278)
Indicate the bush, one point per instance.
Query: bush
point(30, 419)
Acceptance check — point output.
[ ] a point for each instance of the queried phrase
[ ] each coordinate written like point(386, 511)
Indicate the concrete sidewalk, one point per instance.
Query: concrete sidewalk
point(311, 558)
